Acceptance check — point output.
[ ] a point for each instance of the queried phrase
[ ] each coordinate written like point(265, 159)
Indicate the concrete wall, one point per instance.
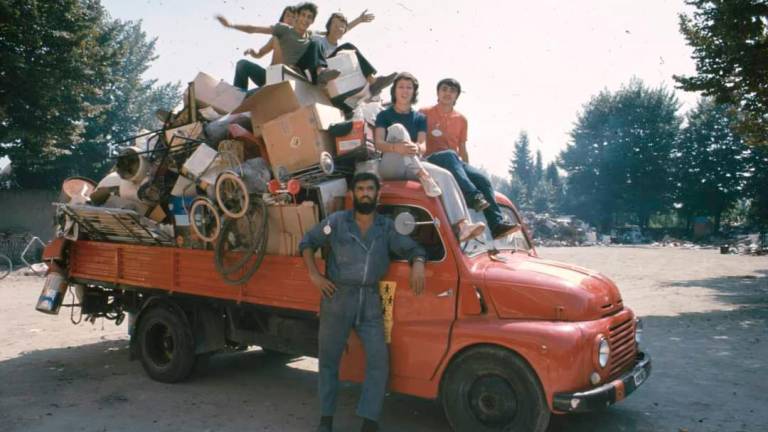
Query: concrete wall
point(28, 211)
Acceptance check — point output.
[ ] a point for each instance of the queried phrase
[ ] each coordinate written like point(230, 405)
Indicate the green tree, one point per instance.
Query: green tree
point(710, 162)
point(128, 102)
point(521, 166)
point(730, 47)
point(756, 190)
point(71, 83)
point(538, 168)
point(618, 160)
point(53, 63)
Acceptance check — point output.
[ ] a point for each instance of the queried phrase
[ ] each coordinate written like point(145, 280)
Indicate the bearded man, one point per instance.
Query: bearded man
point(360, 242)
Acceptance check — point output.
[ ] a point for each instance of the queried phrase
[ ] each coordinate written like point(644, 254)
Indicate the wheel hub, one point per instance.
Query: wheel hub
point(492, 400)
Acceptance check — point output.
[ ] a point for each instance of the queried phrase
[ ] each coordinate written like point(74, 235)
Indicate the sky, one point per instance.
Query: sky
point(523, 65)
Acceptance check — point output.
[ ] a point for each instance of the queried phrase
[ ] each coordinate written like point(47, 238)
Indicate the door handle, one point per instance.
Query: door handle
point(446, 293)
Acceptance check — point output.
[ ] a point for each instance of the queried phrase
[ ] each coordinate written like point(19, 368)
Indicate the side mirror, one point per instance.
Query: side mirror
point(405, 223)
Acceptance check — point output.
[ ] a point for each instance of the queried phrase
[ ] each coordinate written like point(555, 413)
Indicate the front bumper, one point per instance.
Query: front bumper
point(607, 394)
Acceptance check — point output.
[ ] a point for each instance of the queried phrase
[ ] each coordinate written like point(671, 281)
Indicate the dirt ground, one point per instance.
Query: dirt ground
point(705, 326)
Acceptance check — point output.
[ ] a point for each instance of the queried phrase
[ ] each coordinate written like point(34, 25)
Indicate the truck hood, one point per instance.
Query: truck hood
point(533, 288)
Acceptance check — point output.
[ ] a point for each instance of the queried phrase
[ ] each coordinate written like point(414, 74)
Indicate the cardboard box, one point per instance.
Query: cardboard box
point(306, 92)
point(191, 130)
point(351, 78)
point(354, 140)
point(269, 102)
point(294, 141)
point(280, 72)
point(344, 84)
point(344, 61)
point(287, 224)
point(216, 93)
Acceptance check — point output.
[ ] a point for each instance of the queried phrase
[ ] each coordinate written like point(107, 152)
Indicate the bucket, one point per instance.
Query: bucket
point(54, 289)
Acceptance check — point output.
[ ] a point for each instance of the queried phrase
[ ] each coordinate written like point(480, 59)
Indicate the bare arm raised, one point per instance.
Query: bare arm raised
point(244, 28)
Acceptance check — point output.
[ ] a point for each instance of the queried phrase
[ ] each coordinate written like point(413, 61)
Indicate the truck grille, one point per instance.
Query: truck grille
point(622, 342)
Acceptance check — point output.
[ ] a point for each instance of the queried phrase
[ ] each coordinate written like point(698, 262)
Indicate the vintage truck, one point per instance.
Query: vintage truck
point(503, 338)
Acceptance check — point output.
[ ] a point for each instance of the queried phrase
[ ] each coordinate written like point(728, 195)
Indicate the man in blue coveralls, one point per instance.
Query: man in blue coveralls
point(360, 241)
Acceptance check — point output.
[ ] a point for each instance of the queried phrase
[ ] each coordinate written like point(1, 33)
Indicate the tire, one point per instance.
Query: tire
point(166, 345)
point(491, 389)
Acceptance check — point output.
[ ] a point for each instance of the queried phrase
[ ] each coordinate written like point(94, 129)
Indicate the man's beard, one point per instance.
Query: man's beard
point(366, 207)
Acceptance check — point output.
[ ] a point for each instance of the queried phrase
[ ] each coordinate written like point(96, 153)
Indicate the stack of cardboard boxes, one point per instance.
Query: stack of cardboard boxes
point(286, 123)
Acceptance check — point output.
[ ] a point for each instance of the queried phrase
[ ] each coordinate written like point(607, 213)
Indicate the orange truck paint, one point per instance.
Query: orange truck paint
point(548, 313)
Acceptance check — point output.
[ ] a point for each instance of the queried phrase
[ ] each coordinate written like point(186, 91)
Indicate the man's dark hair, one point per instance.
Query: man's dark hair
point(338, 15)
point(307, 6)
point(411, 78)
point(450, 82)
point(366, 176)
point(286, 11)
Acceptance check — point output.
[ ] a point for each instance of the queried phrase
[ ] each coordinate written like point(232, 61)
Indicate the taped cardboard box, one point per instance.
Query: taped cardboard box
point(295, 140)
point(216, 93)
point(287, 224)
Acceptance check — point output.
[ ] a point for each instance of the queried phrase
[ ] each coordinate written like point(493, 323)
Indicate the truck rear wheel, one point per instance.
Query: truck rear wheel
point(492, 389)
point(166, 345)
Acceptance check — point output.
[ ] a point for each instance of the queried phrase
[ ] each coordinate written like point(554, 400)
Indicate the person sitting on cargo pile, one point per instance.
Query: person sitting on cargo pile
point(246, 69)
point(336, 28)
point(298, 48)
point(401, 147)
point(360, 242)
point(447, 148)
point(288, 17)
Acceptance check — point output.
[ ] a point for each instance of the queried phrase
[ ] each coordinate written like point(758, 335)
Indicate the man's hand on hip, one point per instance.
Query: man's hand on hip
point(326, 287)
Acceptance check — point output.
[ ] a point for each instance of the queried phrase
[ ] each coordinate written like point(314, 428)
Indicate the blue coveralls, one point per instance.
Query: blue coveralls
point(355, 265)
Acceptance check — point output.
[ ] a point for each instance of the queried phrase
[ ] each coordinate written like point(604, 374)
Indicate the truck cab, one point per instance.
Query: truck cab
point(501, 336)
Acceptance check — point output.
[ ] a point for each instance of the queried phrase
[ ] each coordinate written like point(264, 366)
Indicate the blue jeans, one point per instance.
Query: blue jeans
point(471, 181)
point(247, 69)
point(358, 308)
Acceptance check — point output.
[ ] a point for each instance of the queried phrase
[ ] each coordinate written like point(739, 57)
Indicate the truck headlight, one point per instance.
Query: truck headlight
point(638, 331)
point(603, 352)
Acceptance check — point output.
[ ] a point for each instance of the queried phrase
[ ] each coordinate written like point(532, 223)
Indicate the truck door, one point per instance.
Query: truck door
point(420, 325)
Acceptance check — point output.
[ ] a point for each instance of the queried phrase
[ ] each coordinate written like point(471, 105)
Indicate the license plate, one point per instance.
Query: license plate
point(640, 377)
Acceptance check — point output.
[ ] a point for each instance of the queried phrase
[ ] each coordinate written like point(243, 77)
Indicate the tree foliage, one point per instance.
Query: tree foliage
point(618, 160)
point(730, 47)
point(521, 168)
point(710, 163)
point(71, 81)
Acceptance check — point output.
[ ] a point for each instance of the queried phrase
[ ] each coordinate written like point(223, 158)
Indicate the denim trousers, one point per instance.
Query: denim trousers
point(247, 69)
point(357, 308)
point(471, 182)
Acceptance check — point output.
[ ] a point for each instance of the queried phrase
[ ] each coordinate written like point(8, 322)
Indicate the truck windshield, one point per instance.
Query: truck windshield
point(484, 243)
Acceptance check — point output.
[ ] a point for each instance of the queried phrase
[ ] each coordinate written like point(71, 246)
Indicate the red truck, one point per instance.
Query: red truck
point(502, 337)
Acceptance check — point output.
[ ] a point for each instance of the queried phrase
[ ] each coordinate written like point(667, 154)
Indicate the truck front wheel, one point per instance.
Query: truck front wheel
point(166, 345)
point(492, 389)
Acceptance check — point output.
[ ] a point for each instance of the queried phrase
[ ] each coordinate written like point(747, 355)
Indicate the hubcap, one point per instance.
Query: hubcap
point(492, 400)
point(160, 344)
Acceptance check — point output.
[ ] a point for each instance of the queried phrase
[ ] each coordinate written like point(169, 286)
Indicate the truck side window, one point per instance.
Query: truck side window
point(426, 235)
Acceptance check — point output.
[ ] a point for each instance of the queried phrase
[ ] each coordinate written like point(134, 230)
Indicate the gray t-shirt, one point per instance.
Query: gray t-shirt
point(291, 42)
point(326, 45)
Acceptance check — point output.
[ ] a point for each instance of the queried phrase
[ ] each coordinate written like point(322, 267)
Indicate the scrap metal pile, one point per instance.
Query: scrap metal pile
point(242, 174)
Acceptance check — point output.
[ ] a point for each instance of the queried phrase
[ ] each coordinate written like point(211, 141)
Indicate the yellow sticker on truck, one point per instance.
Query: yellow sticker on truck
point(387, 291)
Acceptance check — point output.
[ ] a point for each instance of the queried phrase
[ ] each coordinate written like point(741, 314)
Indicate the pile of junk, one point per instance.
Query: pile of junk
point(243, 174)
